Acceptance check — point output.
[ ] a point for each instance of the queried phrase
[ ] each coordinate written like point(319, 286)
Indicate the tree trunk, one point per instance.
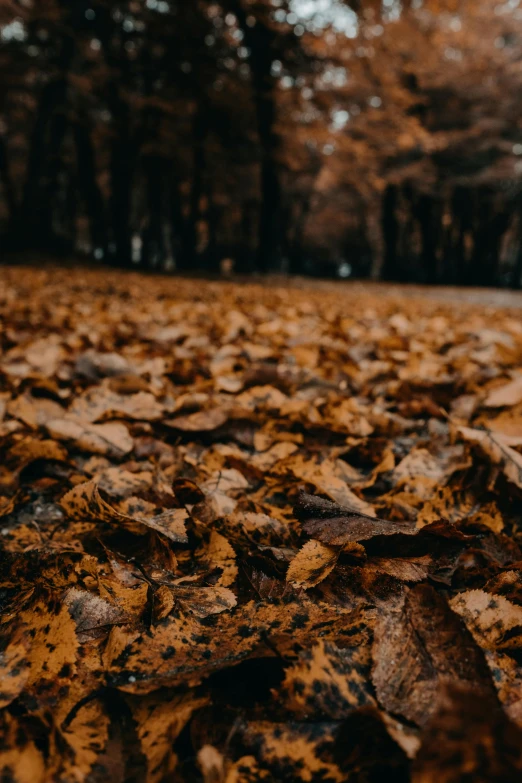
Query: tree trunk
point(7, 183)
point(86, 165)
point(199, 132)
point(516, 274)
point(390, 230)
point(426, 217)
point(260, 40)
point(462, 218)
point(153, 249)
point(180, 236)
point(489, 230)
point(34, 222)
point(296, 250)
point(121, 168)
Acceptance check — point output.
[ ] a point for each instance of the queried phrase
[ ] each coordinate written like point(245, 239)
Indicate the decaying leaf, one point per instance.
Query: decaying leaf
point(328, 682)
point(494, 621)
point(111, 439)
point(418, 650)
point(160, 719)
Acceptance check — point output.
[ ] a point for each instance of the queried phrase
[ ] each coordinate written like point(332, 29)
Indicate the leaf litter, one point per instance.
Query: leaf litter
point(257, 534)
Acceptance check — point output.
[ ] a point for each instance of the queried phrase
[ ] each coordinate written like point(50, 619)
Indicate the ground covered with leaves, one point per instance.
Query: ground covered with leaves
point(252, 533)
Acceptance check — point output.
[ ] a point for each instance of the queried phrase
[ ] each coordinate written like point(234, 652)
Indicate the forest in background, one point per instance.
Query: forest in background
point(367, 139)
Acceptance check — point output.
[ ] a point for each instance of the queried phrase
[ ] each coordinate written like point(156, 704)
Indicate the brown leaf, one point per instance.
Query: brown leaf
point(327, 682)
point(418, 650)
point(163, 603)
point(297, 750)
point(179, 654)
point(100, 403)
point(94, 365)
point(20, 759)
point(507, 395)
point(312, 564)
point(111, 439)
point(201, 421)
point(497, 448)
point(160, 719)
point(85, 502)
point(218, 553)
point(468, 739)
point(30, 449)
point(328, 483)
point(91, 613)
point(14, 669)
point(337, 525)
point(52, 647)
point(494, 621)
point(204, 601)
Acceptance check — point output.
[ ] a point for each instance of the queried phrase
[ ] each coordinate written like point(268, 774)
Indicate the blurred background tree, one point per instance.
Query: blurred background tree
point(369, 138)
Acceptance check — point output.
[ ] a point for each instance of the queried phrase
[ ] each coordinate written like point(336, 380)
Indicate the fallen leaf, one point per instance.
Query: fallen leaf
point(418, 650)
point(338, 525)
point(497, 448)
point(111, 439)
point(507, 395)
point(85, 502)
point(312, 564)
point(201, 421)
point(468, 738)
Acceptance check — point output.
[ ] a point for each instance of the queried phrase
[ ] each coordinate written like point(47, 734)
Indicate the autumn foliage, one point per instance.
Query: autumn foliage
point(257, 534)
point(372, 139)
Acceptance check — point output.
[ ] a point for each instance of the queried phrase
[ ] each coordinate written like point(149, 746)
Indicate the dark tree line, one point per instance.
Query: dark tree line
point(473, 237)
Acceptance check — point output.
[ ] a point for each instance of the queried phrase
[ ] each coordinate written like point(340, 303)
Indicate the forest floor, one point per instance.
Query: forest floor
point(258, 531)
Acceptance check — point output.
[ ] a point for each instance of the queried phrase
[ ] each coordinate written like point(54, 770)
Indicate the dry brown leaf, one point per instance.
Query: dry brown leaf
point(201, 421)
point(111, 439)
point(497, 447)
point(507, 395)
point(494, 621)
point(204, 601)
point(327, 682)
point(100, 403)
point(160, 718)
point(85, 502)
point(312, 564)
point(468, 739)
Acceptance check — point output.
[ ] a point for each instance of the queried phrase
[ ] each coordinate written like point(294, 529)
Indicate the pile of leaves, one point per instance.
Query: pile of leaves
point(257, 534)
